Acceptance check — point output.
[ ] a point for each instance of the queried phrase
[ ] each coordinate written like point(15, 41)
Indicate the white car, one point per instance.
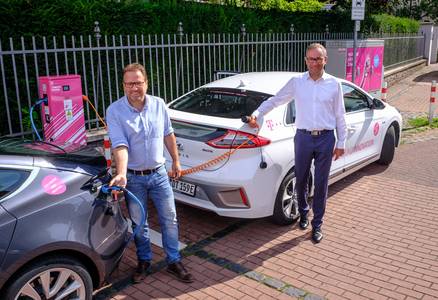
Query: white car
point(258, 180)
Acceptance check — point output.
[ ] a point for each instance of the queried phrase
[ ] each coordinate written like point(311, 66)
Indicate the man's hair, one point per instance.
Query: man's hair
point(136, 67)
point(317, 46)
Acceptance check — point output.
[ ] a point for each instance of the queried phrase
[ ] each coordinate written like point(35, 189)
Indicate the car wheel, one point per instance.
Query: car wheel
point(53, 278)
point(388, 148)
point(286, 204)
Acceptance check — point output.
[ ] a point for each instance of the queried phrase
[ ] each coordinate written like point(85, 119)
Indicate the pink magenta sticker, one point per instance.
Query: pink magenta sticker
point(270, 124)
point(53, 185)
point(376, 129)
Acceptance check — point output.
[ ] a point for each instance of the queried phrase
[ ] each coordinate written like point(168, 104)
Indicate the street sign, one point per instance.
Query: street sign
point(358, 9)
point(357, 25)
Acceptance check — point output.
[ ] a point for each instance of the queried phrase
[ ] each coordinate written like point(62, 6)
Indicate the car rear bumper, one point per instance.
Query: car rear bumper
point(252, 197)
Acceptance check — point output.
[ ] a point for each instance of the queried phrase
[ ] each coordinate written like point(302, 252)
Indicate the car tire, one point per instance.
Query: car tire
point(59, 273)
point(388, 147)
point(286, 204)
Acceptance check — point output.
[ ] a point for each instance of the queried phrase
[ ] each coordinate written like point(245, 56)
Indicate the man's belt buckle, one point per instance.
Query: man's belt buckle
point(315, 132)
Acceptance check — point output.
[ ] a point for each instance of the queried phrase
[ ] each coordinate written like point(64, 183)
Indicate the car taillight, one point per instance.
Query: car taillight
point(233, 139)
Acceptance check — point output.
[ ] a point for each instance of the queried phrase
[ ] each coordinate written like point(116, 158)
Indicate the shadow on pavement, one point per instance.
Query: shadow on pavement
point(428, 77)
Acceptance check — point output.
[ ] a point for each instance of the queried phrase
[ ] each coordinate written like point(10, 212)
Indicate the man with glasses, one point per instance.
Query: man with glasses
point(139, 127)
point(320, 110)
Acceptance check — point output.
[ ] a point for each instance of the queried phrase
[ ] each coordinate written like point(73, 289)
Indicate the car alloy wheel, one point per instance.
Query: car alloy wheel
point(286, 204)
point(290, 202)
point(54, 283)
point(53, 278)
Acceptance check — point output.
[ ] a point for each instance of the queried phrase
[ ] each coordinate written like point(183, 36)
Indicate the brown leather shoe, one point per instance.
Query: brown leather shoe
point(179, 272)
point(140, 272)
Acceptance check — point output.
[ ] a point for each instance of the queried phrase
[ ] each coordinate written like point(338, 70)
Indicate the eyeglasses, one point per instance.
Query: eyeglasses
point(315, 59)
point(134, 84)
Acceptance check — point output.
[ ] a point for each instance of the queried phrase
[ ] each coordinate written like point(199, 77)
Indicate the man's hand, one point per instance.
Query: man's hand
point(253, 122)
point(119, 180)
point(338, 152)
point(176, 170)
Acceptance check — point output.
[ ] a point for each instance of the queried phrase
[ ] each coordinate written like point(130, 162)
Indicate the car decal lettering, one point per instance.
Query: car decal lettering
point(359, 147)
point(53, 185)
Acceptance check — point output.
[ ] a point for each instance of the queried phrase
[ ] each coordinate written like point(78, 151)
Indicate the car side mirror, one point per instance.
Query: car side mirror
point(371, 103)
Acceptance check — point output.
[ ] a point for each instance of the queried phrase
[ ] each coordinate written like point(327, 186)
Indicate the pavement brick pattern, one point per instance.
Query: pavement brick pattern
point(380, 238)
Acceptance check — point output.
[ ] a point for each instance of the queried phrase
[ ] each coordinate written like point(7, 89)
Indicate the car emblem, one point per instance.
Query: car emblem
point(376, 129)
point(180, 146)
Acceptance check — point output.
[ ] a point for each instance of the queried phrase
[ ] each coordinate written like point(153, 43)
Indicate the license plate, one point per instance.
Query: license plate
point(183, 187)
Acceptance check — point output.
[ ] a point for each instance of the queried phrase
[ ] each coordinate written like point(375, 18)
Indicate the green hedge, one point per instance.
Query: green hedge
point(388, 23)
point(76, 17)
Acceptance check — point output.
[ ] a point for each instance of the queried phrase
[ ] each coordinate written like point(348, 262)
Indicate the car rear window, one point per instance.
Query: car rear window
point(10, 180)
point(87, 154)
point(220, 102)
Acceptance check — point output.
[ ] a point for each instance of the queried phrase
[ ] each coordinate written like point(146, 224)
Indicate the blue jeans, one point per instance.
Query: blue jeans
point(155, 186)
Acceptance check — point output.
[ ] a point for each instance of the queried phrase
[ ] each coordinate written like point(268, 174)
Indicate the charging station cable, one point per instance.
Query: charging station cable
point(222, 157)
point(107, 190)
point(39, 102)
point(211, 162)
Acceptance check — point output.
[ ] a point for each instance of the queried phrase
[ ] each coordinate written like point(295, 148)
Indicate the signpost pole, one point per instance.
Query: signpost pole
point(357, 14)
point(353, 71)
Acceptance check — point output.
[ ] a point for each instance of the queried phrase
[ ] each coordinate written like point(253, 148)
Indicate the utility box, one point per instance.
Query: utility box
point(63, 116)
point(369, 62)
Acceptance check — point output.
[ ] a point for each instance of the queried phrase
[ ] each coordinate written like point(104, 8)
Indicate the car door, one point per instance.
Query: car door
point(363, 126)
point(10, 181)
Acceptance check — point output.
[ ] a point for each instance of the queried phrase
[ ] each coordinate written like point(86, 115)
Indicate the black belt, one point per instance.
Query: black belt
point(144, 172)
point(314, 132)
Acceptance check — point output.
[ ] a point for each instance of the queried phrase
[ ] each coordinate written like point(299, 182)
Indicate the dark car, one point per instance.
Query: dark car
point(60, 236)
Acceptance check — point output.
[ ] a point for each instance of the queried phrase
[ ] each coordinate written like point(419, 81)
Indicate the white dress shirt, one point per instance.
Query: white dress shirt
point(319, 104)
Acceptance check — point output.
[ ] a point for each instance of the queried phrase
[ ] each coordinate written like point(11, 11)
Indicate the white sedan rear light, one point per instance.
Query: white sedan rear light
point(233, 139)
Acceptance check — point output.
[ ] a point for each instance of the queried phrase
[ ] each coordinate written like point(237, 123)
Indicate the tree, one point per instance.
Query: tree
point(291, 5)
point(371, 6)
point(426, 10)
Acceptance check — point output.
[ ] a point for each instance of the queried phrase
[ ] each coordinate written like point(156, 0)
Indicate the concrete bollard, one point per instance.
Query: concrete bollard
point(384, 91)
point(107, 152)
point(432, 101)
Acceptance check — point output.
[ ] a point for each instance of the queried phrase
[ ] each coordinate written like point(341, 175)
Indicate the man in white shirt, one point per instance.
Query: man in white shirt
point(320, 110)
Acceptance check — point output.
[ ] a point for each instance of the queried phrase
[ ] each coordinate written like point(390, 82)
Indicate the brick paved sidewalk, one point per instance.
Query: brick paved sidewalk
point(381, 242)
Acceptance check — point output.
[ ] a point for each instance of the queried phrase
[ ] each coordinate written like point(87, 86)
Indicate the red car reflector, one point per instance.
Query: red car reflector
point(244, 198)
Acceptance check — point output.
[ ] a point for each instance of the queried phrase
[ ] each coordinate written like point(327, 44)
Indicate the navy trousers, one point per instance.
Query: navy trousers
point(320, 148)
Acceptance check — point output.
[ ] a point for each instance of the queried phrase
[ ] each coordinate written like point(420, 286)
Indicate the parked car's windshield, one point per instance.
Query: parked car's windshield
point(220, 102)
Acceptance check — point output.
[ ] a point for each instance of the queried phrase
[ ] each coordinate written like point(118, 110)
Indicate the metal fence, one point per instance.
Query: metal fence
point(176, 63)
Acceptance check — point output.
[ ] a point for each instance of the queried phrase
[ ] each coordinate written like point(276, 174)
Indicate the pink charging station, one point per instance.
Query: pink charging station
point(63, 116)
point(369, 62)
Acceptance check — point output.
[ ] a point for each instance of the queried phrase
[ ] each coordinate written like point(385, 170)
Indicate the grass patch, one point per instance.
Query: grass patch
point(423, 121)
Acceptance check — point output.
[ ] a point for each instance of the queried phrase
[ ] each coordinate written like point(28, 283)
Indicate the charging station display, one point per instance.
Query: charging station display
point(369, 62)
point(63, 114)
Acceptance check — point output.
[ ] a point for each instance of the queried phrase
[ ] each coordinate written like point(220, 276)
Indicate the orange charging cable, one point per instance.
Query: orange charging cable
point(217, 159)
point(85, 98)
point(197, 168)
